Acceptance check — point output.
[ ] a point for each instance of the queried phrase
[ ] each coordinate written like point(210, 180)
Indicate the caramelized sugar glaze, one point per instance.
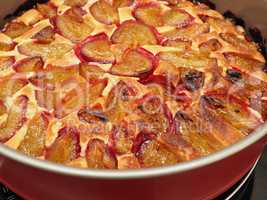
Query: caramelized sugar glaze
point(127, 84)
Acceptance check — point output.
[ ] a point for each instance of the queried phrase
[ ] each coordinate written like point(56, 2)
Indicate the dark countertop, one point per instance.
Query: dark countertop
point(260, 187)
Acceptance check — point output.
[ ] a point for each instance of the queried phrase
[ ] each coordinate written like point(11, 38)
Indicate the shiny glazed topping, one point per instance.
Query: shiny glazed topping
point(127, 84)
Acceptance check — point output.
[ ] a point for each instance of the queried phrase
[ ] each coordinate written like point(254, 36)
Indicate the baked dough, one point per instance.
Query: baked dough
point(127, 84)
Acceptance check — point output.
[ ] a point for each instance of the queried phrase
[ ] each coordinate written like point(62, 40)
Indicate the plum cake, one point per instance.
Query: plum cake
point(127, 84)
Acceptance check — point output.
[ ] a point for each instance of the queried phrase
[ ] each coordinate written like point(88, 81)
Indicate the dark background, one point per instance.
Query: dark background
point(260, 187)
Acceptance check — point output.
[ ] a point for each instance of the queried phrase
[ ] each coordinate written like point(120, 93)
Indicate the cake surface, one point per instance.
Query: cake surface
point(127, 84)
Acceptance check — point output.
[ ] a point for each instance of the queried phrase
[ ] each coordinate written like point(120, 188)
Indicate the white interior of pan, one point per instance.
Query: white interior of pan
point(255, 15)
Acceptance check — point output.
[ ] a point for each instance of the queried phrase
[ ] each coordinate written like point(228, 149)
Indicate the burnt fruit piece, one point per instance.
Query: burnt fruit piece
point(233, 75)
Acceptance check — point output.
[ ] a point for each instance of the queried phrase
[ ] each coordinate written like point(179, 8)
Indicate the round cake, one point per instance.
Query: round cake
point(124, 84)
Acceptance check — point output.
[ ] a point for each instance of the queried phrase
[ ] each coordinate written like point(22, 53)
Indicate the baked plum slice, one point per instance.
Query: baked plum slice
point(236, 42)
point(54, 50)
point(186, 59)
point(6, 46)
point(73, 26)
point(177, 17)
point(175, 142)
point(90, 72)
point(210, 45)
point(165, 74)
point(118, 101)
point(188, 32)
point(196, 132)
point(96, 48)
point(74, 3)
point(154, 114)
point(46, 35)
point(46, 99)
point(122, 138)
point(11, 84)
point(172, 2)
point(229, 114)
point(135, 62)
point(31, 64)
point(53, 77)
point(48, 10)
point(99, 156)
point(67, 104)
point(33, 143)
point(122, 3)
point(104, 12)
point(78, 97)
point(15, 120)
point(66, 147)
point(243, 62)
point(3, 108)
point(181, 44)
point(134, 33)
point(128, 161)
point(96, 88)
point(149, 13)
point(151, 153)
point(16, 29)
point(6, 62)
